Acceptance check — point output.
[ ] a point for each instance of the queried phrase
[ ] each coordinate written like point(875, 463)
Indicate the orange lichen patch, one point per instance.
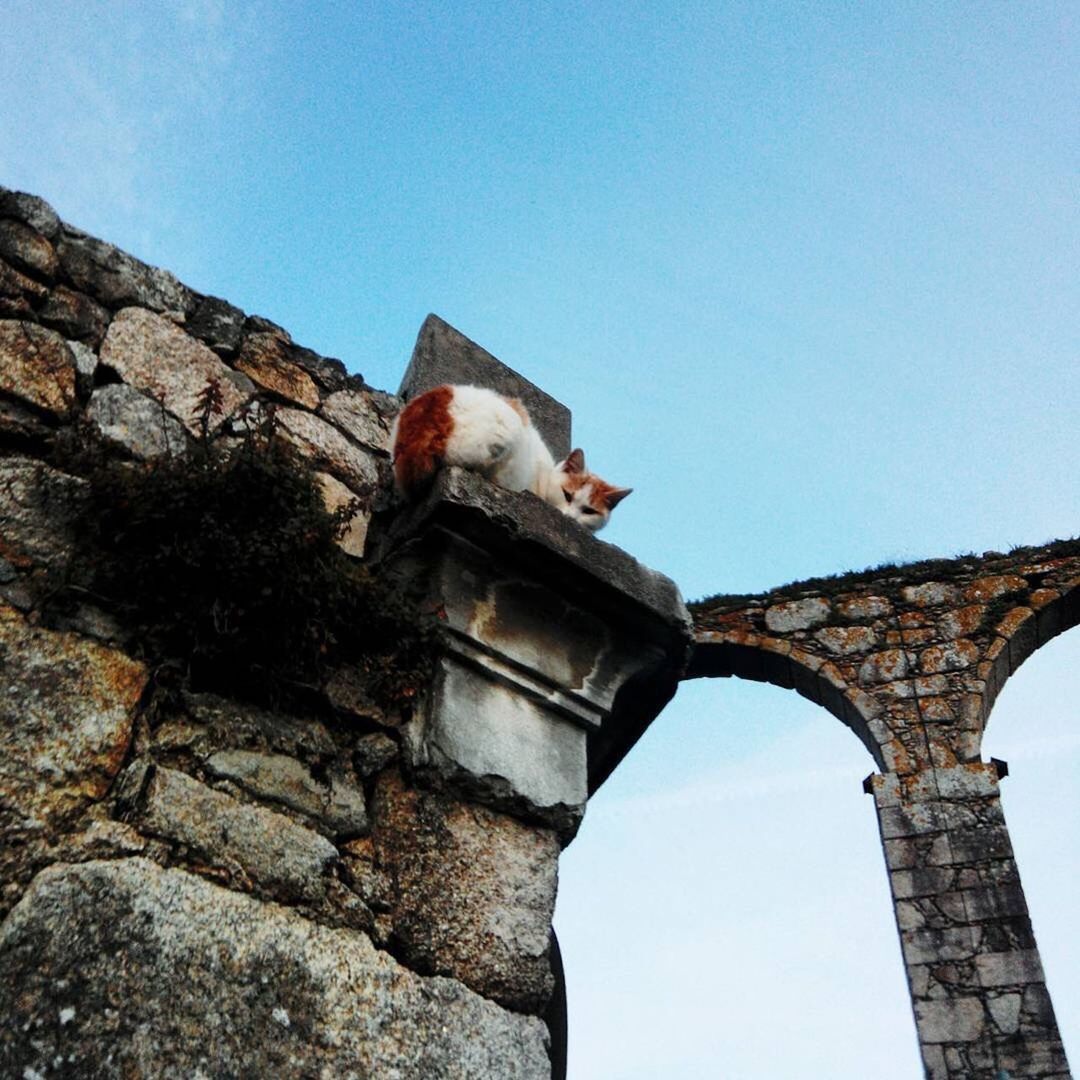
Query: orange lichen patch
point(983, 589)
point(806, 659)
point(37, 366)
point(962, 622)
point(937, 708)
point(898, 759)
point(1041, 597)
point(776, 645)
point(265, 359)
point(831, 673)
point(942, 754)
point(885, 666)
point(952, 656)
point(929, 594)
point(65, 718)
point(423, 431)
point(1013, 621)
point(866, 706)
point(910, 619)
point(864, 607)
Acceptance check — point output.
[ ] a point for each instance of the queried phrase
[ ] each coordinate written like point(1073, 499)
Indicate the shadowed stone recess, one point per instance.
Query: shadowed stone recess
point(124, 969)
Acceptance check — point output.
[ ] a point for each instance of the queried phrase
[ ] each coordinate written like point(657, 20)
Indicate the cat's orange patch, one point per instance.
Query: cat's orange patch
point(423, 431)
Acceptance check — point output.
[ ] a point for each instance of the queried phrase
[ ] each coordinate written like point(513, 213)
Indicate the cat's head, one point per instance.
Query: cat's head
point(585, 497)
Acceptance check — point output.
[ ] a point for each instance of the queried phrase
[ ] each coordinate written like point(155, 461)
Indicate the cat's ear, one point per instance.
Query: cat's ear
point(575, 463)
point(616, 496)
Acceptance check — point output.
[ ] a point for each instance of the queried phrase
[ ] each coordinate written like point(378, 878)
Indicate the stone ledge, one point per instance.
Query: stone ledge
point(536, 535)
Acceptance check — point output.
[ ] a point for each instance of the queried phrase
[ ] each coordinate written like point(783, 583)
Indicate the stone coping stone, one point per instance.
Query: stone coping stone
point(445, 355)
point(528, 532)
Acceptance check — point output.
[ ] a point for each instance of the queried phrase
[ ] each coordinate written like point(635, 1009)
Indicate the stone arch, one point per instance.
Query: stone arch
point(1022, 631)
point(773, 660)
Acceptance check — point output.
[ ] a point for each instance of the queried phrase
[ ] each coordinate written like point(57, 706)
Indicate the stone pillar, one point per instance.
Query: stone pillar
point(551, 645)
point(977, 986)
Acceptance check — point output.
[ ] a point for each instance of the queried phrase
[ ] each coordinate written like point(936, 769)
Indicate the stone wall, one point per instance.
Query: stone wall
point(912, 659)
point(193, 883)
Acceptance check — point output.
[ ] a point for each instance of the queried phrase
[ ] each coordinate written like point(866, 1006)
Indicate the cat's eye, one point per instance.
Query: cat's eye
point(569, 496)
point(589, 510)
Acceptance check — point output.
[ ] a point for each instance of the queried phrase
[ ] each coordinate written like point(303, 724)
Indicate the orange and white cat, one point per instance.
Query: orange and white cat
point(478, 429)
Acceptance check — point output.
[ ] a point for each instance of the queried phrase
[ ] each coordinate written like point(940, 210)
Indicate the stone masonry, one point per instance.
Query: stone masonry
point(195, 885)
point(911, 659)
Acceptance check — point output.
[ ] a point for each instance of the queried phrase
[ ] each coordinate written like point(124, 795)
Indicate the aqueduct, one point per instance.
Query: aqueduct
point(912, 658)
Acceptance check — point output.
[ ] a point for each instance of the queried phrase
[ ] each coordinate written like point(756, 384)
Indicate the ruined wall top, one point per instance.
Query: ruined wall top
point(910, 657)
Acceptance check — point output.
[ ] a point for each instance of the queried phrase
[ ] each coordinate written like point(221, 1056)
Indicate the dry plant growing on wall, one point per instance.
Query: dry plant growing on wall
point(222, 564)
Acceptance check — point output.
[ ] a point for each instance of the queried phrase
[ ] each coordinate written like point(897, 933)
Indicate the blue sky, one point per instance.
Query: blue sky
point(806, 276)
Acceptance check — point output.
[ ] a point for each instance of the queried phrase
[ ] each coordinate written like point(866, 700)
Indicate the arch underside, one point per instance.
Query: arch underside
point(713, 659)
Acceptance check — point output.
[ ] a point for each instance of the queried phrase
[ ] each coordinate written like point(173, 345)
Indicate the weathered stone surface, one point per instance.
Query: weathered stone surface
point(336, 495)
point(475, 892)
point(864, 607)
point(124, 969)
point(846, 640)
point(1016, 968)
point(217, 323)
point(265, 358)
point(37, 366)
point(31, 210)
point(116, 279)
point(355, 413)
point(1006, 1012)
point(19, 294)
point(797, 614)
point(40, 509)
point(327, 371)
point(66, 712)
point(950, 1020)
point(218, 723)
point(324, 443)
point(884, 667)
point(27, 250)
point(75, 315)
point(85, 361)
point(246, 841)
point(339, 805)
point(493, 742)
point(124, 416)
point(373, 753)
point(154, 355)
point(952, 656)
point(929, 594)
point(19, 423)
